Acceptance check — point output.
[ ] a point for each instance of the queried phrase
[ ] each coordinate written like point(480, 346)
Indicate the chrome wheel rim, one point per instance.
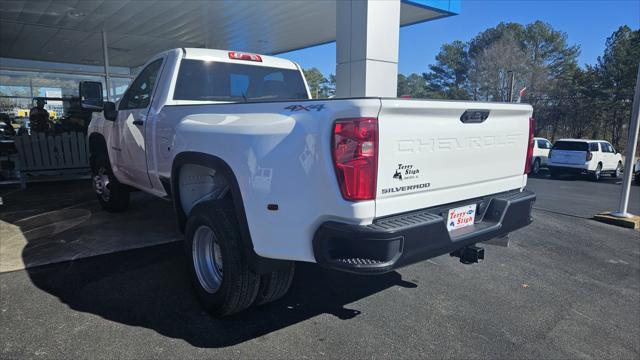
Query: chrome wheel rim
point(101, 184)
point(207, 259)
point(618, 171)
point(598, 170)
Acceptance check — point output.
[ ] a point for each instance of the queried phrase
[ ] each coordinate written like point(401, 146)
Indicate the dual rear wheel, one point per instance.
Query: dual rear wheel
point(219, 269)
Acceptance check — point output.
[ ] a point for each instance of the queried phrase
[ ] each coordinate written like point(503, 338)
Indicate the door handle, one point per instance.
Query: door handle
point(138, 122)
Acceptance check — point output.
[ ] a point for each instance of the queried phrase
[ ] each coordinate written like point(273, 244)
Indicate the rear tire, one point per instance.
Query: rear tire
point(595, 176)
point(535, 169)
point(112, 195)
point(219, 269)
point(275, 285)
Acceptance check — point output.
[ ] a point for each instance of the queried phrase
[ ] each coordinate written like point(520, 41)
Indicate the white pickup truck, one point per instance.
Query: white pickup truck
point(261, 175)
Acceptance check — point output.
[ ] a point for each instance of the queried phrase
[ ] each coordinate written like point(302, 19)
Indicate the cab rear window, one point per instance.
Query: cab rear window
point(219, 81)
point(571, 145)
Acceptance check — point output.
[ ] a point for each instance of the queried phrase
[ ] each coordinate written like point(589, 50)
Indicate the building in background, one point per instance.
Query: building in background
point(55, 45)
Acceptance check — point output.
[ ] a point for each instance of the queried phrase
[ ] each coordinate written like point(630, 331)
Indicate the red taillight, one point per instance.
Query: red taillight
point(589, 156)
point(355, 157)
point(244, 56)
point(527, 164)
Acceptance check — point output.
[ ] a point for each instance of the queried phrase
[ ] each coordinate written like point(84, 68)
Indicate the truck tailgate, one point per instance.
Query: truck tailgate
point(428, 156)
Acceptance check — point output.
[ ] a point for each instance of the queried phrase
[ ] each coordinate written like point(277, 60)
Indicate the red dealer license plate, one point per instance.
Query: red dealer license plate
point(461, 216)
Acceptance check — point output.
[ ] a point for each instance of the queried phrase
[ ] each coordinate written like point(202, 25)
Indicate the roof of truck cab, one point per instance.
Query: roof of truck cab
point(223, 56)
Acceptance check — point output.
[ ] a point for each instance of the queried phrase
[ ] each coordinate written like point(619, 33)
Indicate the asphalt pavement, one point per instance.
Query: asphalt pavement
point(566, 287)
point(52, 222)
point(576, 196)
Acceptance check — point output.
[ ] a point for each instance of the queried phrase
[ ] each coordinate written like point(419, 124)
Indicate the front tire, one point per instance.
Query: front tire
point(219, 268)
point(112, 195)
point(618, 172)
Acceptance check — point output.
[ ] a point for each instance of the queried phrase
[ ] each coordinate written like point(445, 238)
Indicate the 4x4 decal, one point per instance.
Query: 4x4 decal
point(316, 107)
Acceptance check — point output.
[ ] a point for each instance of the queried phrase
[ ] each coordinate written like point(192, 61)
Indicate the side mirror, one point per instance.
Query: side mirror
point(110, 111)
point(91, 95)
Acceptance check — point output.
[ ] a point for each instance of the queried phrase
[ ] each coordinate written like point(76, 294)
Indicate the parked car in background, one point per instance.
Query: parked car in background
point(584, 157)
point(541, 148)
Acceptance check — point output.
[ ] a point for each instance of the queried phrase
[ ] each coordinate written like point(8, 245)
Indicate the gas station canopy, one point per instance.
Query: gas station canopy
point(70, 31)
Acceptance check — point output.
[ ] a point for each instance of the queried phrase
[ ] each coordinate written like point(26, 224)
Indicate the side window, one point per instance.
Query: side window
point(613, 151)
point(139, 94)
point(273, 84)
point(594, 147)
point(541, 144)
point(275, 76)
point(605, 147)
point(549, 146)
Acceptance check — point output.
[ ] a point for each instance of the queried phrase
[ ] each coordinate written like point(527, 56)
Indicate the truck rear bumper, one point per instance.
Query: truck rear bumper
point(400, 240)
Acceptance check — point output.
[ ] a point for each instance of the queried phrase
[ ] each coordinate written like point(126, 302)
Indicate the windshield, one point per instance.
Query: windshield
point(571, 145)
point(219, 81)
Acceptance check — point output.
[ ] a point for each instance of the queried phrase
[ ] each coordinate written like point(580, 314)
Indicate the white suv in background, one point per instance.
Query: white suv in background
point(578, 156)
point(541, 148)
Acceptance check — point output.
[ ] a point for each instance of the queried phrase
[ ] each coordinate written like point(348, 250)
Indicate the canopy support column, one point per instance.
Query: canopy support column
point(367, 41)
point(105, 55)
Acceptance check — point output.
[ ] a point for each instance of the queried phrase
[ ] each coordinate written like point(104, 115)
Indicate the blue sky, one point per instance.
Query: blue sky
point(587, 23)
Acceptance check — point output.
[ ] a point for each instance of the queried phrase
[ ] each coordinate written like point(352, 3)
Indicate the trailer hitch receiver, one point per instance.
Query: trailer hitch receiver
point(469, 254)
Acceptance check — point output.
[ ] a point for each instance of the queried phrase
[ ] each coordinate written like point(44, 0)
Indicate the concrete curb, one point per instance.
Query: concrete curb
point(632, 222)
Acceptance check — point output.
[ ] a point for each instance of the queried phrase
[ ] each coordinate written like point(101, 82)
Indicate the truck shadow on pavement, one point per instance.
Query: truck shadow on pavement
point(150, 288)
